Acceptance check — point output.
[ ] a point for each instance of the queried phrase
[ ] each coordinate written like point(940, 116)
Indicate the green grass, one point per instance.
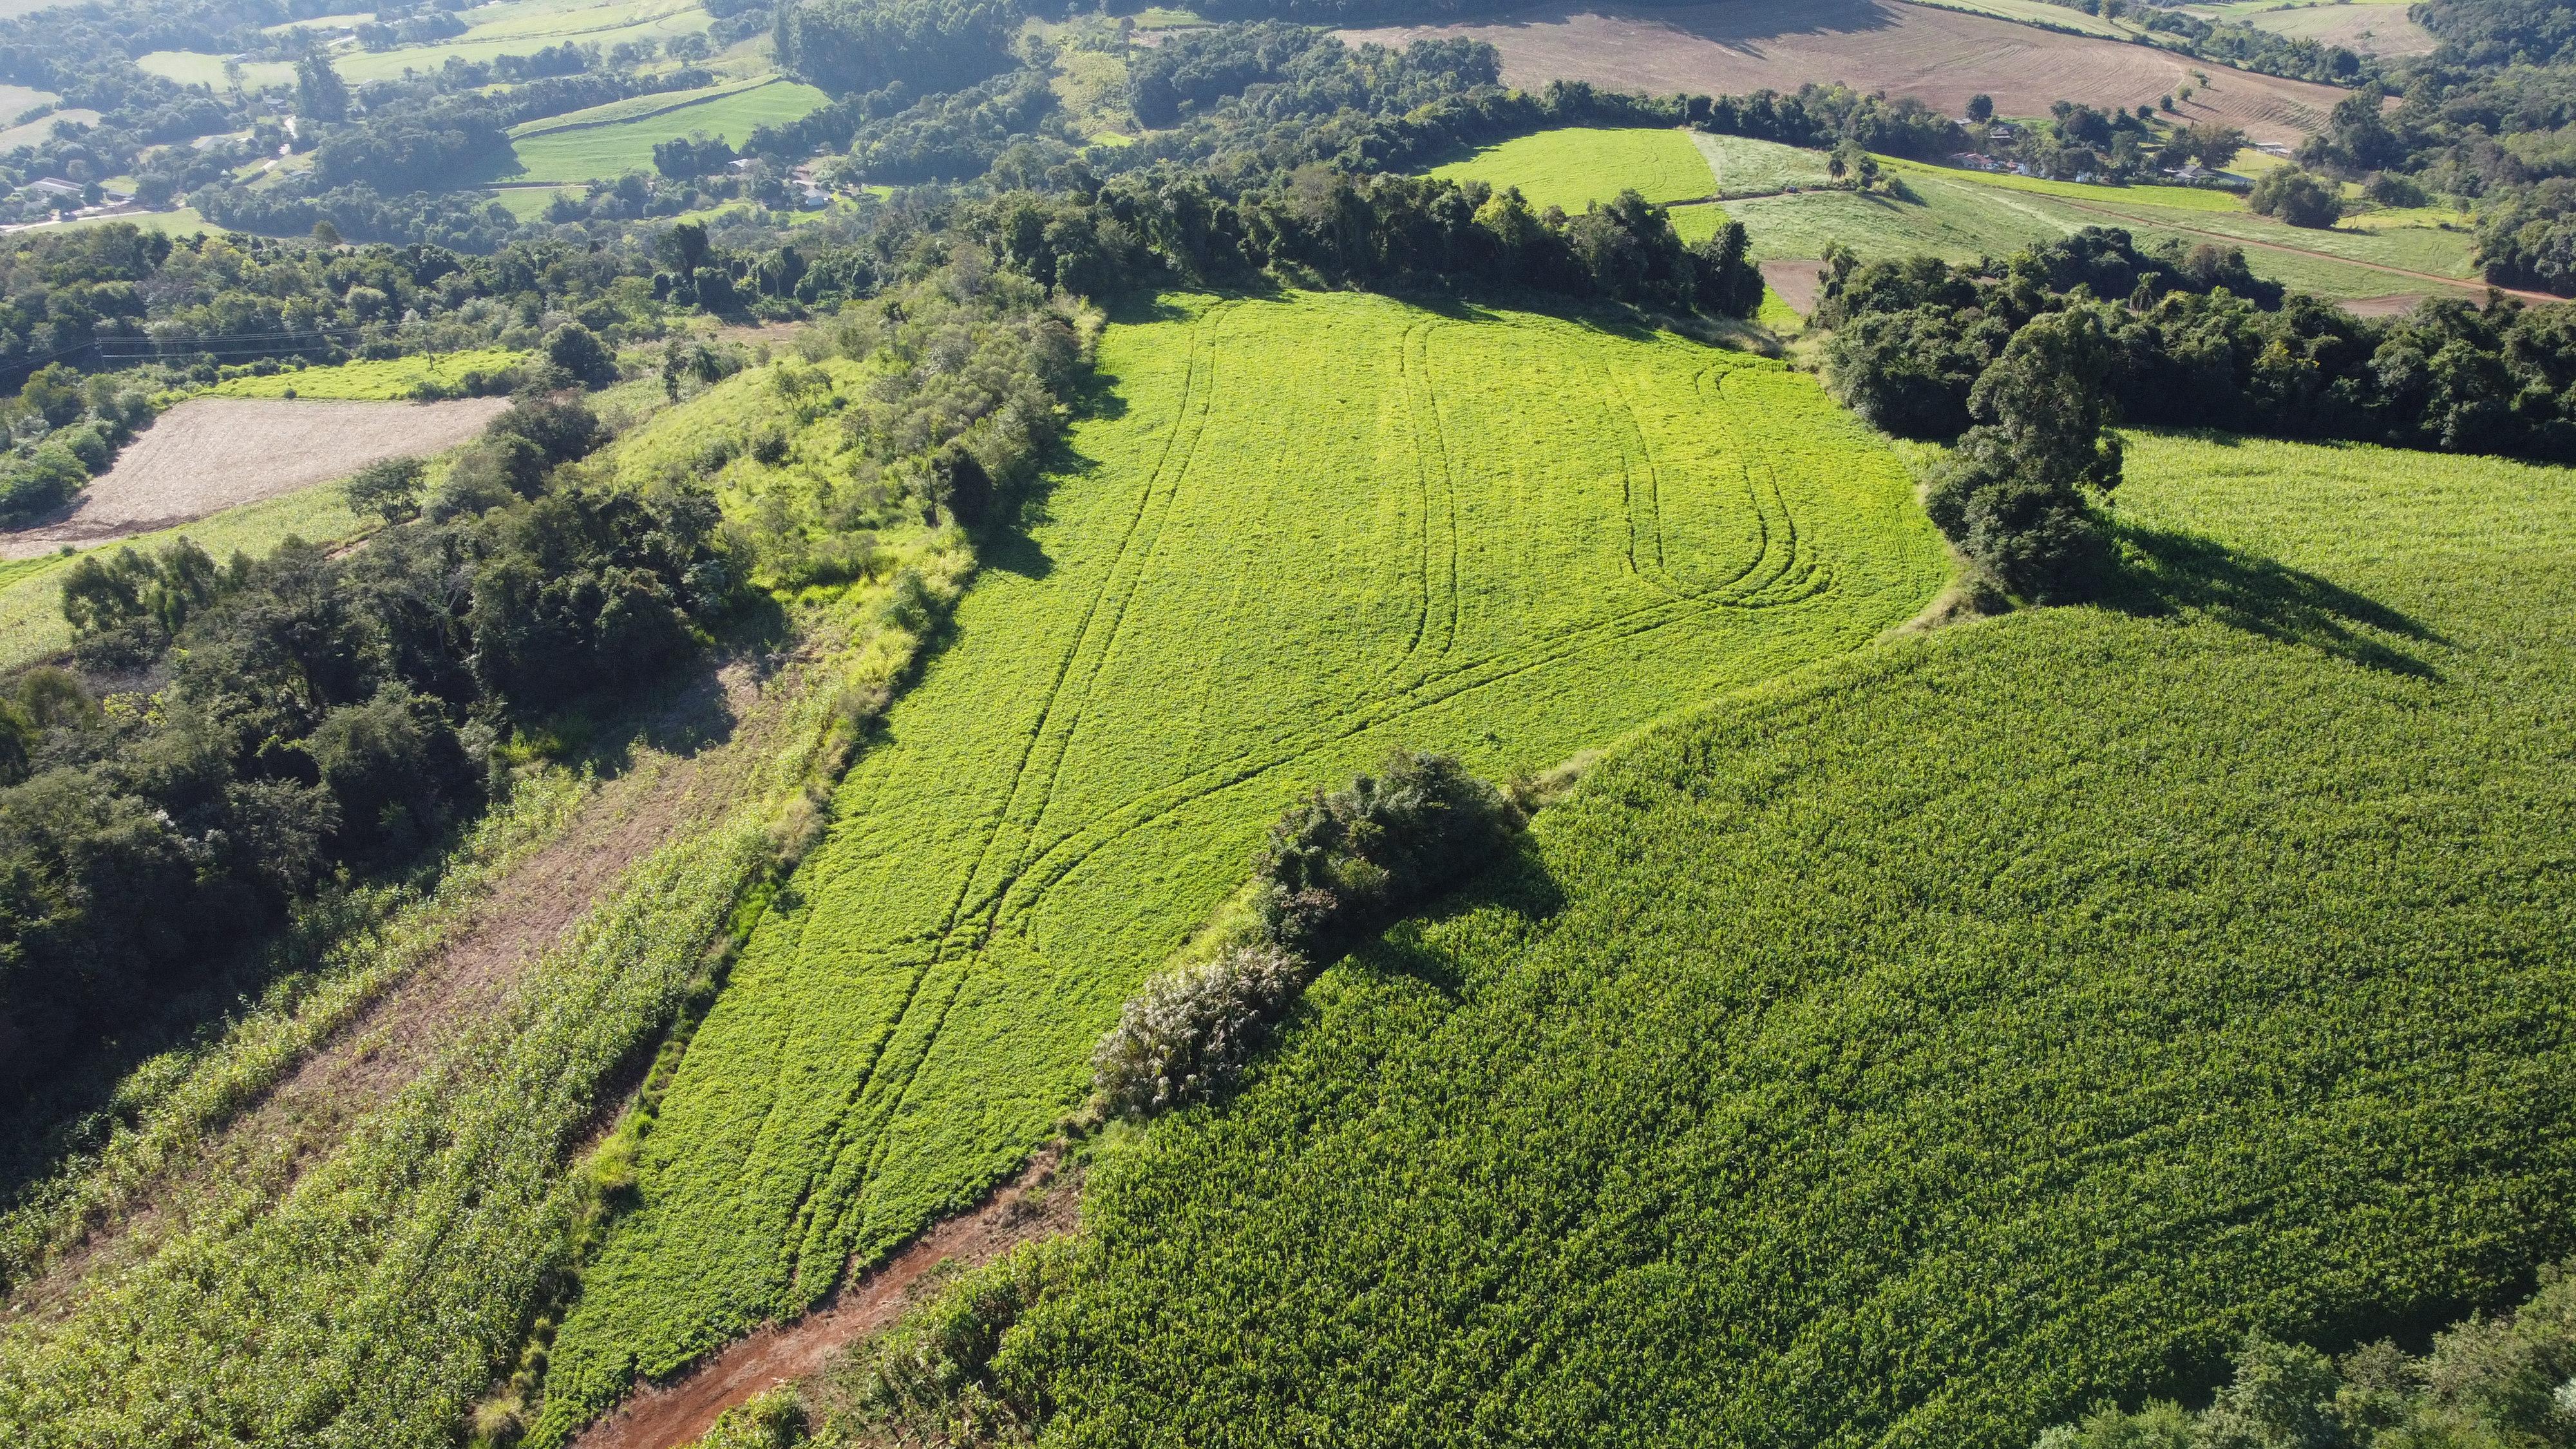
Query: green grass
point(1744, 166)
point(1924, 1049)
point(1958, 216)
point(393, 378)
point(499, 30)
point(1305, 531)
point(31, 605)
point(2172, 198)
point(584, 147)
point(1579, 166)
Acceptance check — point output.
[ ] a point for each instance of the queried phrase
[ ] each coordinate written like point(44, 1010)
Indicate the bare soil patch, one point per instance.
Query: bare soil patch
point(1941, 57)
point(213, 453)
point(2391, 306)
point(1796, 282)
point(1034, 1206)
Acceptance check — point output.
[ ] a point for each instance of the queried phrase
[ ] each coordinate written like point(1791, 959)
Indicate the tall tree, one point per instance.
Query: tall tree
point(2016, 493)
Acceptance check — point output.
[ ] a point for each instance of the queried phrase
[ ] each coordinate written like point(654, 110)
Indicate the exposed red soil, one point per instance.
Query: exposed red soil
point(1035, 1206)
point(1796, 282)
point(1941, 57)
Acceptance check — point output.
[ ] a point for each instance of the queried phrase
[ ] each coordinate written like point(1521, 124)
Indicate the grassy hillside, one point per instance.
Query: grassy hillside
point(392, 378)
point(1579, 167)
point(1960, 216)
point(1922, 1050)
point(354, 1281)
point(1955, 214)
point(1299, 532)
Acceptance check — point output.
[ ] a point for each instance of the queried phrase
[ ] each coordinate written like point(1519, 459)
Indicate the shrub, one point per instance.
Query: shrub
point(2509, 1380)
point(1341, 861)
point(388, 488)
point(2297, 198)
point(1189, 1033)
point(933, 1378)
point(39, 483)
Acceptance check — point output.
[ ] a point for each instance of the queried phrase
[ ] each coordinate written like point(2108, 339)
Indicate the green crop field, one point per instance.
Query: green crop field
point(1580, 166)
point(1301, 532)
point(31, 600)
point(393, 378)
point(634, 108)
point(571, 148)
point(1961, 216)
point(1744, 166)
point(1924, 1049)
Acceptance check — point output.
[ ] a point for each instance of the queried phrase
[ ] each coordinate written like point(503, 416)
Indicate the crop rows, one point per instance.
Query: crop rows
point(1923, 1050)
point(1316, 528)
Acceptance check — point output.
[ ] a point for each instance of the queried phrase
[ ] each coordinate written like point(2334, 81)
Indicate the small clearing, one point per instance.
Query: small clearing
point(1797, 282)
point(213, 453)
point(1941, 57)
point(1034, 1206)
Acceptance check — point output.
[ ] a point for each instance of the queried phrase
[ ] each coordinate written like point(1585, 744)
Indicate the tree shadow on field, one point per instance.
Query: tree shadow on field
point(1519, 886)
point(2162, 573)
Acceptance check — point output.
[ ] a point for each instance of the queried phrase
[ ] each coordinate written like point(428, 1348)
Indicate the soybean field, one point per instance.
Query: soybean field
point(1296, 532)
point(1928, 1048)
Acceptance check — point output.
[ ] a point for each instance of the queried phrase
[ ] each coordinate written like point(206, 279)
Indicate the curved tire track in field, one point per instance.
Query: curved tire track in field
point(1794, 572)
point(989, 899)
point(841, 1185)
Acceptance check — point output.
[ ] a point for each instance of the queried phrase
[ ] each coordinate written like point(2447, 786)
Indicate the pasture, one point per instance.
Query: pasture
point(388, 380)
point(1931, 1046)
point(1939, 56)
point(31, 599)
point(521, 27)
point(1961, 215)
point(1952, 213)
point(1295, 533)
point(1580, 167)
point(609, 141)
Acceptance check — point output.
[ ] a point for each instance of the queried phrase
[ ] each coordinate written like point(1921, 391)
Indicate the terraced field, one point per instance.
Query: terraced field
point(1301, 531)
point(1928, 1049)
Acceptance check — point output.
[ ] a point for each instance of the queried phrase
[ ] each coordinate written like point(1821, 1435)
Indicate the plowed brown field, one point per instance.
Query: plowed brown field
point(1939, 56)
point(211, 453)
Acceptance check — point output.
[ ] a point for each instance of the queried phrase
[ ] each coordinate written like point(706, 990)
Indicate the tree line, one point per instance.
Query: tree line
point(1935, 350)
point(312, 714)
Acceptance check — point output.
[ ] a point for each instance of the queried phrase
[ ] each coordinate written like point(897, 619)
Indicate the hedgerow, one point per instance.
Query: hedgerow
point(1932, 1048)
point(1305, 531)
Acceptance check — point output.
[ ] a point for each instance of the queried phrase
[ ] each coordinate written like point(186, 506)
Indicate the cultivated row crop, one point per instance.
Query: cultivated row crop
point(1309, 530)
point(1922, 1051)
